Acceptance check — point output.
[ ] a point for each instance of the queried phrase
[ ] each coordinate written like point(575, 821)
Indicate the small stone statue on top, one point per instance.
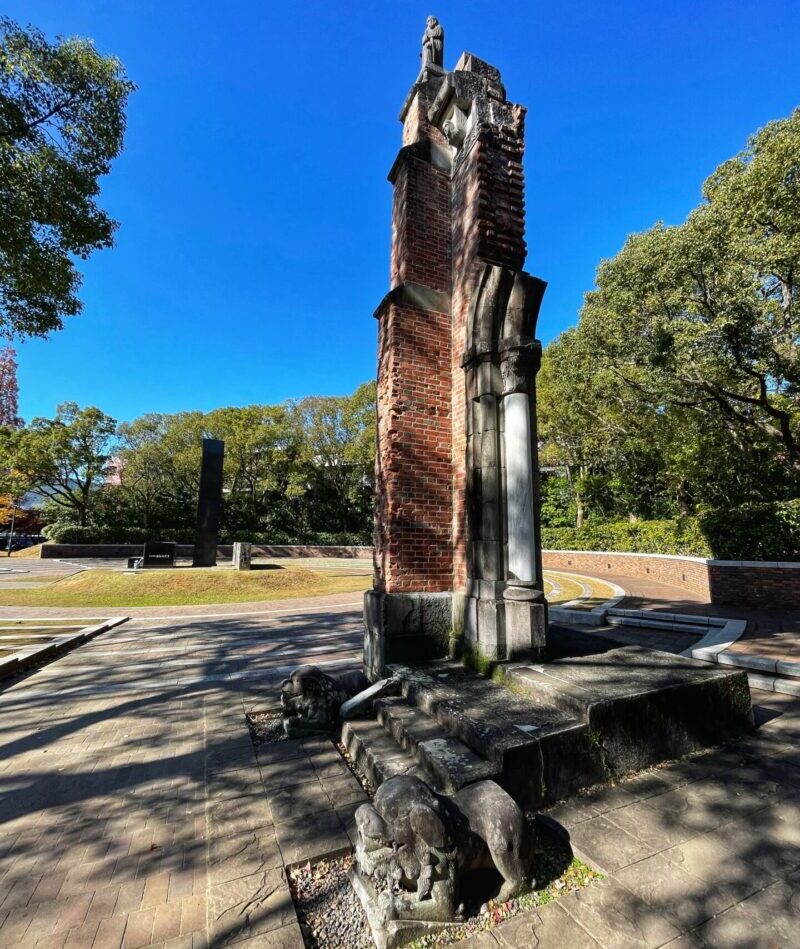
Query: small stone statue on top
point(433, 44)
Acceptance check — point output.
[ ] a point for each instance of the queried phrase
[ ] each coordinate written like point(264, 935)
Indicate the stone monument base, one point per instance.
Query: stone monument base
point(507, 624)
point(593, 712)
point(405, 627)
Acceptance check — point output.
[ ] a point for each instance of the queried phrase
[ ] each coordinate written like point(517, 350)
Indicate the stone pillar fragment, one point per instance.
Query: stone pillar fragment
point(242, 556)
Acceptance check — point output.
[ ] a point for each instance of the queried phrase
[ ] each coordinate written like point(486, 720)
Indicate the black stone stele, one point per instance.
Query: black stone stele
point(158, 555)
point(209, 504)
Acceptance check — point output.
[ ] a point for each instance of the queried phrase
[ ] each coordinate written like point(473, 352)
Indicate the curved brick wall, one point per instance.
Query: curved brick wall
point(725, 582)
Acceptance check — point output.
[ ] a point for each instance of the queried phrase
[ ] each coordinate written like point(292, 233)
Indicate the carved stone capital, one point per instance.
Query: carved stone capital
point(518, 367)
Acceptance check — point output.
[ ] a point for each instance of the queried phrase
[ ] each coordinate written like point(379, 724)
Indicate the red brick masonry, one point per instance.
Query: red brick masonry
point(725, 582)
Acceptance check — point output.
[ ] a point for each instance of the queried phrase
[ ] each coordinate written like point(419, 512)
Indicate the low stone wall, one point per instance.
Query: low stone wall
point(723, 582)
point(745, 583)
point(224, 551)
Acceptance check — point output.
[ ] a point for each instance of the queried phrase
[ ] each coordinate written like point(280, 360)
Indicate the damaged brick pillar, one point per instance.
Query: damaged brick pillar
point(457, 553)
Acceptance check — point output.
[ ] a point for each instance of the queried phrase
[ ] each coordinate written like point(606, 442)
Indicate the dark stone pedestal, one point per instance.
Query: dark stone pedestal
point(405, 627)
point(634, 708)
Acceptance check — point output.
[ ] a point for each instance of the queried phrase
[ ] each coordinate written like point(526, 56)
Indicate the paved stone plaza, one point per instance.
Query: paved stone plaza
point(134, 811)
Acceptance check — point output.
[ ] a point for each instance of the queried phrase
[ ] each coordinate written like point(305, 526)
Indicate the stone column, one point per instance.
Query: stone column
point(242, 554)
point(525, 609)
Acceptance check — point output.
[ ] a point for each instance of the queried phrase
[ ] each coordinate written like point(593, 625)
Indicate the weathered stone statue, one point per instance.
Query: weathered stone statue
point(311, 699)
point(415, 847)
point(433, 44)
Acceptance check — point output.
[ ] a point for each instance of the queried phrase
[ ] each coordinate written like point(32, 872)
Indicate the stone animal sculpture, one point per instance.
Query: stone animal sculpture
point(311, 699)
point(416, 846)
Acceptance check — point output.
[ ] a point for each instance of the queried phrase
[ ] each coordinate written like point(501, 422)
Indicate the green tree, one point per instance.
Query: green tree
point(263, 478)
point(339, 456)
point(62, 121)
point(703, 316)
point(66, 458)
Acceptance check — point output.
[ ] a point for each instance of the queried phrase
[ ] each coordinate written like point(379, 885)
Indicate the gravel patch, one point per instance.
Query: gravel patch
point(331, 916)
point(329, 912)
point(362, 779)
point(266, 727)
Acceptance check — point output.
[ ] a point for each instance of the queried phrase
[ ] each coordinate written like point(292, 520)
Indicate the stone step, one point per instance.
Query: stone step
point(448, 762)
point(490, 719)
point(518, 740)
point(376, 753)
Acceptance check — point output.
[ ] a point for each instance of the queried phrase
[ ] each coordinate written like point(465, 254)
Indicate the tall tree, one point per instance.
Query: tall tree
point(66, 458)
point(703, 316)
point(62, 121)
point(339, 454)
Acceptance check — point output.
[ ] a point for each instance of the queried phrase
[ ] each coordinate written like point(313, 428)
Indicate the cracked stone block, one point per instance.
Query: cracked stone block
point(250, 906)
point(239, 815)
point(242, 855)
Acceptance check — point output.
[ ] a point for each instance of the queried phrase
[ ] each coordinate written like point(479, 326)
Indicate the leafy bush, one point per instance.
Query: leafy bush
point(681, 536)
point(766, 531)
point(61, 533)
point(769, 531)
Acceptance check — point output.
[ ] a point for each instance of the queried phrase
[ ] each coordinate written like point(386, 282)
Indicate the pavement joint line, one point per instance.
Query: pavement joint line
point(190, 617)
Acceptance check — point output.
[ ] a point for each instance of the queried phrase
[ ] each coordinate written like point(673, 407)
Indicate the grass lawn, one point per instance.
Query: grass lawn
point(181, 587)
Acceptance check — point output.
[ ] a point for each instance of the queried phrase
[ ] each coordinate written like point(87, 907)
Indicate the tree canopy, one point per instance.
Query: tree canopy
point(680, 386)
point(62, 122)
point(292, 472)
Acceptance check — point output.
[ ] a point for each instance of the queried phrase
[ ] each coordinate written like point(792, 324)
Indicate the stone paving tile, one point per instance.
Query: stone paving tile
point(550, 926)
point(770, 917)
point(290, 804)
point(670, 890)
point(249, 906)
point(769, 838)
point(614, 916)
point(321, 835)
point(607, 845)
point(707, 858)
point(344, 792)
point(242, 855)
point(655, 828)
point(287, 937)
point(286, 773)
point(238, 815)
point(110, 933)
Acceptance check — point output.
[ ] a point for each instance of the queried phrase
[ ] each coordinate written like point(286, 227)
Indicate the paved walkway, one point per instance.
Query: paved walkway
point(126, 767)
point(133, 809)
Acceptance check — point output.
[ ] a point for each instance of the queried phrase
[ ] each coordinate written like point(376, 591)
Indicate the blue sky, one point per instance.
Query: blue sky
point(252, 194)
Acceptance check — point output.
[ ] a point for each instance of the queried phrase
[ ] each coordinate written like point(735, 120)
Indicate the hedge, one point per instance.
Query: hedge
point(769, 531)
point(681, 536)
point(60, 533)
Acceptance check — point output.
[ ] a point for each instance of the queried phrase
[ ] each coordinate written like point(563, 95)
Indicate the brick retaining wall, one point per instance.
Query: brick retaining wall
point(688, 572)
point(723, 582)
